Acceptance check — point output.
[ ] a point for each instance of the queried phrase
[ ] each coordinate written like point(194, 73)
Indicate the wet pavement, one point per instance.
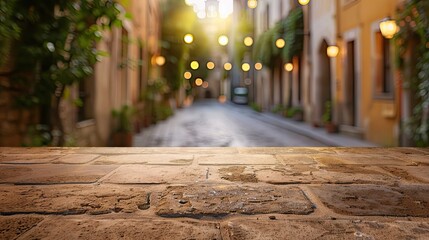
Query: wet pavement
point(214, 193)
point(208, 123)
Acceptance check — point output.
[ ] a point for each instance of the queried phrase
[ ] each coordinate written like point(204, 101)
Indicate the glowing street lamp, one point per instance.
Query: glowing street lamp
point(195, 65)
point(248, 41)
point(223, 40)
point(303, 2)
point(188, 38)
point(388, 28)
point(245, 67)
point(280, 43)
point(227, 66)
point(252, 3)
point(332, 51)
point(289, 67)
point(160, 60)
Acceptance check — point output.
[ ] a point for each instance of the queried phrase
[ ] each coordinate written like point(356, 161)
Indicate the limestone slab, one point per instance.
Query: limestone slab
point(295, 159)
point(418, 174)
point(89, 229)
point(196, 201)
point(154, 159)
point(76, 158)
point(375, 200)
point(285, 150)
point(28, 158)
point(150, 174)
point(72, 199)
point(362, 159)
point(11, 227)
point(236, 159)
point(52, 173)
point(324, 229)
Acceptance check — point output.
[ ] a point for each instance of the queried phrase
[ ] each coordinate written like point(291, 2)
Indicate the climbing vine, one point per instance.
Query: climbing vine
point(413, 21)
point(47, 47)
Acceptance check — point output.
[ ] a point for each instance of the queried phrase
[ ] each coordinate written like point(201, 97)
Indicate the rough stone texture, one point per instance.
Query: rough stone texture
point(154, 159)
point(27, 158)
point(293, 159)
point(143, 174)
point(214, 193)
point(340, 229)
point(373, 200)
point(76, 158)
point(197, 201)
point(72, 199)
point(53, 173)
point(149, 229)
point(12, 227)
point(236, 159)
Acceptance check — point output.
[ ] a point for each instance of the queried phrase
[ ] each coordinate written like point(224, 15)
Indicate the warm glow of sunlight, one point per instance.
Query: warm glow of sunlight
point(225, 7)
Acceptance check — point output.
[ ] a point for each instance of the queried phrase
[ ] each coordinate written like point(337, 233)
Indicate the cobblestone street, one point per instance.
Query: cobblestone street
point(214, 193)
point(208, 123)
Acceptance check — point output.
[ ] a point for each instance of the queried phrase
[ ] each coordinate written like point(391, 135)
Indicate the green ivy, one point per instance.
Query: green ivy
point(51, 46)
point(414, 25)
point(291, 30)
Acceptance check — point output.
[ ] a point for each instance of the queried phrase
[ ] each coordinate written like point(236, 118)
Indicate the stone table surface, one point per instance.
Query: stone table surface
point(214, 193)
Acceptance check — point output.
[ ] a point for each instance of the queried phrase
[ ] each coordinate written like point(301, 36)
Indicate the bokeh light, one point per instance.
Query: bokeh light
point(187, 75)
point(252, 3)
point(223, 40)
point(280, 43)
point(289, 67)
point(198, 82)
point(205, 84)
point(195, 65)
point(258, 66)
point(227, 66)
point(188, 38)
point(248, 41)
point(245, 67)
point(210, 65)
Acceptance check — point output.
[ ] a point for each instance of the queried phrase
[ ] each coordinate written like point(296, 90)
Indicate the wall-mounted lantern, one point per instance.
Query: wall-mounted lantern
point(388, 27)
point(332, 51)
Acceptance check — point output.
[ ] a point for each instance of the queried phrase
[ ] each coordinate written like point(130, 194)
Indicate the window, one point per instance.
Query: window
point(383, 69)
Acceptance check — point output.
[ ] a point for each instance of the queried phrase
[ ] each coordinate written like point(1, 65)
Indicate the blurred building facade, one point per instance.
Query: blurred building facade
point(119, 79)
point(361, 84)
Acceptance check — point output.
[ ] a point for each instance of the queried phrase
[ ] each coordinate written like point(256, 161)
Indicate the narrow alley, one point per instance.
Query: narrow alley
point(208, 123)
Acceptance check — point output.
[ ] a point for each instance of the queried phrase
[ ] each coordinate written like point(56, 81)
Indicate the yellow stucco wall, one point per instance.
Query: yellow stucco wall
point(378, 118)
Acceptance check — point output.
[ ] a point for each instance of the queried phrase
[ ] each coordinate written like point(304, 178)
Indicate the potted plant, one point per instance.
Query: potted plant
point(123, 134)
point(296, 113)
point(327, 118)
